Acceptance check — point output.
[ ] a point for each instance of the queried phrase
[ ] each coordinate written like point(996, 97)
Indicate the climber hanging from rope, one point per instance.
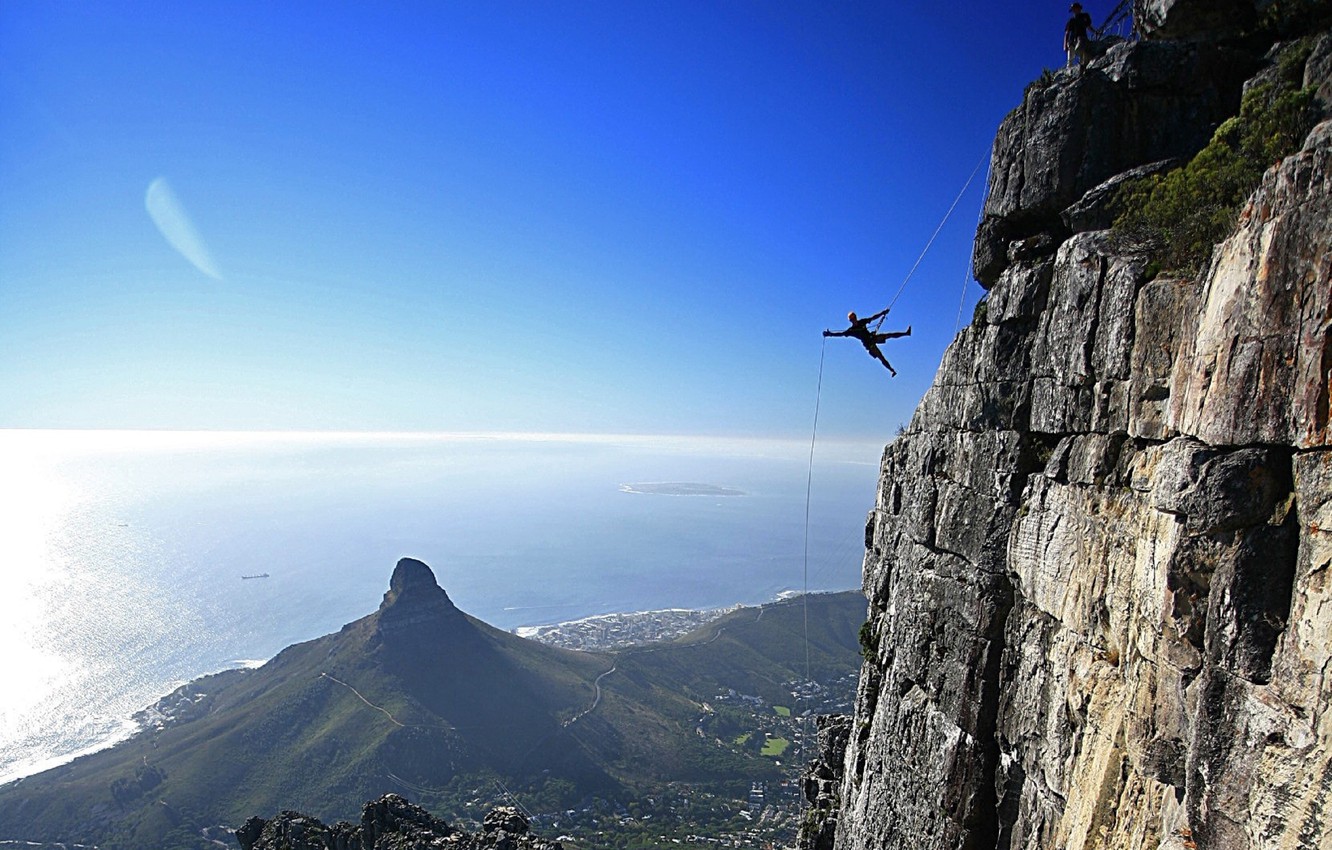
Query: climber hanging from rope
point(860, 328)
point(870, 338)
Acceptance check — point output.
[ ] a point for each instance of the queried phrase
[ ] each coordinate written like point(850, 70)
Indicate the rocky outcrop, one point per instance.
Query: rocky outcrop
point(414, 599)
point(389, 823)
point(1098, 562)
point(1260, 330)
point(1228, 20)
point(1196, 19)
point(1139, 104)
point(822, 783)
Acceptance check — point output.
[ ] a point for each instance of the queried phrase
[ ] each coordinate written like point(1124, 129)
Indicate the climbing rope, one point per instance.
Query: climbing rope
point(933, 236)
point(970, 274)
point(809, 490)
point(813, 441)
point(962, 299)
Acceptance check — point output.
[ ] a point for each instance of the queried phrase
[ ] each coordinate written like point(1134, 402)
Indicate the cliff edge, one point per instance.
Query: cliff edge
point(1100, 611)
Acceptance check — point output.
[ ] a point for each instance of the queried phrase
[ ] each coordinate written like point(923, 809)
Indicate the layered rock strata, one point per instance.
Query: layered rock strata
point(1098, 566)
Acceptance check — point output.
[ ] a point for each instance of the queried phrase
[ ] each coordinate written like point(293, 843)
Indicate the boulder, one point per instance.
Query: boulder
point(505, 819)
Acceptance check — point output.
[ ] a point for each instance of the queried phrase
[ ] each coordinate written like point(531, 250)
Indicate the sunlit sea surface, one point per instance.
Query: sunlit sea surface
point(121, 553)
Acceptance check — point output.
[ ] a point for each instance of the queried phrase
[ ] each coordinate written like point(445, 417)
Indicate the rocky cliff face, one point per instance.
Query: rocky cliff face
point(1099, 566)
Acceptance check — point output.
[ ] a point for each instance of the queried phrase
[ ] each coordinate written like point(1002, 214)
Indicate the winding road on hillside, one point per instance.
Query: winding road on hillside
point(595, 702)
point(362, 698)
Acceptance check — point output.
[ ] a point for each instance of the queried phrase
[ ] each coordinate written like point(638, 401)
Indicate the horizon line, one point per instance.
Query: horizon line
point(461, 435)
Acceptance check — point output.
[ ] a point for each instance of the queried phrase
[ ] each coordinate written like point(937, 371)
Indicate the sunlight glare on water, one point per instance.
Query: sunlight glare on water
point(32, 504)
point(79, 605)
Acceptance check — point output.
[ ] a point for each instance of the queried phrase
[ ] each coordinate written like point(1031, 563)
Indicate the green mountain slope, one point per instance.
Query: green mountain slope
point(761, 650)
point(421, 698)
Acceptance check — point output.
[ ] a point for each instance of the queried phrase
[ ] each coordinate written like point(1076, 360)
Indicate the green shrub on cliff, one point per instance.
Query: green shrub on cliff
point(1186, 211)
point(869, 642)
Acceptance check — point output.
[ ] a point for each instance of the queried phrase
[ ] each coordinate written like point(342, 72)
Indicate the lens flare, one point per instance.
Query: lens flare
point(175, 226)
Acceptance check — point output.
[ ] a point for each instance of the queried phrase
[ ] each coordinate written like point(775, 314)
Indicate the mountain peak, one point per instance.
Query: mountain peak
point(411, 573)
point(413, 597)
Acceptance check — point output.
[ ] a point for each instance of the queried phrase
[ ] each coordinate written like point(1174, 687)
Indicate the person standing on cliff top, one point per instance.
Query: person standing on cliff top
point(860, 330)
point(1077, 43)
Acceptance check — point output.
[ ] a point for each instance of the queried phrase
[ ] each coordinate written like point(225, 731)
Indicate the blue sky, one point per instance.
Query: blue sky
point(600, 217)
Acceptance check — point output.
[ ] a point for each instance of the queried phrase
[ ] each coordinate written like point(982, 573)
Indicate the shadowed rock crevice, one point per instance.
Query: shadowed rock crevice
point(987, 827)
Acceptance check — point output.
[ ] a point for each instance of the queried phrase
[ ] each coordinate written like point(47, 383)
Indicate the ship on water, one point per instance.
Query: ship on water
point(257, 575)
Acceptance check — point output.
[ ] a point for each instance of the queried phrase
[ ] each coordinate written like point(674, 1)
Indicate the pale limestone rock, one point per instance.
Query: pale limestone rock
point(1158, 312)
point(1256, 366)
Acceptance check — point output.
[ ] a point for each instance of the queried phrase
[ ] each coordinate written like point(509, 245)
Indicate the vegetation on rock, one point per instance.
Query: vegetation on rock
point(1185, 212)
point(869, 642)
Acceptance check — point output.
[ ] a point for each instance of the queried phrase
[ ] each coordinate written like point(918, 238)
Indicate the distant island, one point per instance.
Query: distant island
point(670, 488)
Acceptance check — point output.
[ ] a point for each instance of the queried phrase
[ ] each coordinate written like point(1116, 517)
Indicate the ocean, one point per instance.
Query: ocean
point(122, 553)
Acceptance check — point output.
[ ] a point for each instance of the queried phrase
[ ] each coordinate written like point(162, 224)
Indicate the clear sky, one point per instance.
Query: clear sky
point(608, 217)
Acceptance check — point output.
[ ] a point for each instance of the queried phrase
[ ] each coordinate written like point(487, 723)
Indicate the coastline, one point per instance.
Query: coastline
point(620, 630)
point(119, 729)
point(596, 632)
point(128, 727)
